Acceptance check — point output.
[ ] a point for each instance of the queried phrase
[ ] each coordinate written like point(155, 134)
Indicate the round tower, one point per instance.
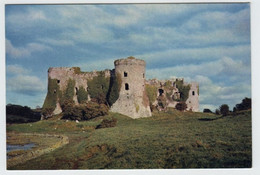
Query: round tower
point(132, 100)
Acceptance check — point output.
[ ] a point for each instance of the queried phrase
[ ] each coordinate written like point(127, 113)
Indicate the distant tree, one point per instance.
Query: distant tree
point(217, 111)
point(207, 110)
point(224, 109)
point(181, 106)
point(246, 104)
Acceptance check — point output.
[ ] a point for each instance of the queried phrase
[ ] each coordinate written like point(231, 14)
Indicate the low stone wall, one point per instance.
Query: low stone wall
point(38, 152)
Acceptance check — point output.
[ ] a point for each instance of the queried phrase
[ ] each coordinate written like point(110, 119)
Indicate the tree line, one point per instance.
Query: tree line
point(224, 108)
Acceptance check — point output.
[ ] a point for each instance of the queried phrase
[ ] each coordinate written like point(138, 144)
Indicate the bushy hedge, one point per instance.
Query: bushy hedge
point(181, 106)
point(107, 123)
point(83, 111)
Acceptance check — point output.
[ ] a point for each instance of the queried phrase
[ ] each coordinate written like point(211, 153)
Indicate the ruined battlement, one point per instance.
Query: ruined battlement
point(129, 61)
point(133, 90)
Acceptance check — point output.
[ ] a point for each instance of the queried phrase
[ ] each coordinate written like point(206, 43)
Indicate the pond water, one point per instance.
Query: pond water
point(18, 147)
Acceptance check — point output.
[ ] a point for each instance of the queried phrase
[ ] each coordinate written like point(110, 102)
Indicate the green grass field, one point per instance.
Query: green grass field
point(167, 140)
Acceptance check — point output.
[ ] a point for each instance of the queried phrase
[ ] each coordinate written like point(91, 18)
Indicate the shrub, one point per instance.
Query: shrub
point(224, 109)
point(207, 110)
point(66, 104)
point(93, 110)
point(47, 112)
point(106, 123)
point(84, 112)
point(82, 95)
point(181, 106)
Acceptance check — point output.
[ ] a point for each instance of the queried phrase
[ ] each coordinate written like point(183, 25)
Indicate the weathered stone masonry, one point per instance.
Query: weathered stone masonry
point(132, 100)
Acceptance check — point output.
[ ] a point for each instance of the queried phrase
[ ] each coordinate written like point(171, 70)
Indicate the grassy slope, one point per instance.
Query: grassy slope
point(172, 140)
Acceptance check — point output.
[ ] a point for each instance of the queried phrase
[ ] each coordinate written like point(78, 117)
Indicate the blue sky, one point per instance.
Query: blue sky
point(207, 43)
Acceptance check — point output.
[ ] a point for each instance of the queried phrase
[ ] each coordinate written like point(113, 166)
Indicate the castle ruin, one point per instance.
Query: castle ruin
point(125, 89)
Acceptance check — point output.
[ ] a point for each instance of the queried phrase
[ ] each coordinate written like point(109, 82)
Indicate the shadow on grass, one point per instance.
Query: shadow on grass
point(210, 119)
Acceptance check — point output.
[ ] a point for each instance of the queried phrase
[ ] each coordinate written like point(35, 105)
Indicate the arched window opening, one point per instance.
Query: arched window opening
point(143, 75)
point(58, 81)
point(127, 86)
point(125, 74)
point(193, 92)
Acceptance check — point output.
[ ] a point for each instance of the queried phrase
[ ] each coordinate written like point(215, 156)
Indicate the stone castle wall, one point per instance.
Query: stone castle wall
point(193, 100)
point(133, 100)
point(64, 74)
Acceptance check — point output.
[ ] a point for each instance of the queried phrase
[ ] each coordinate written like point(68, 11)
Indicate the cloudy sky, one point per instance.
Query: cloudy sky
point(207, 43)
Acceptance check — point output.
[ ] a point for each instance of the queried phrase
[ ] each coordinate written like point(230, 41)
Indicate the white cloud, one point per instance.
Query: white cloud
point(96, 65)
point(225, 66)
point(57, 42)
point(19, 80)
point(208, 106)
point(25, 84)
point(199, 54)
point(26, 19)
point(212, 95)
point(17, 52)
point(16, 69)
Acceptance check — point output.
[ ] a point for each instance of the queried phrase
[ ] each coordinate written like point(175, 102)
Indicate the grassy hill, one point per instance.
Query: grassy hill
point(167, 140)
